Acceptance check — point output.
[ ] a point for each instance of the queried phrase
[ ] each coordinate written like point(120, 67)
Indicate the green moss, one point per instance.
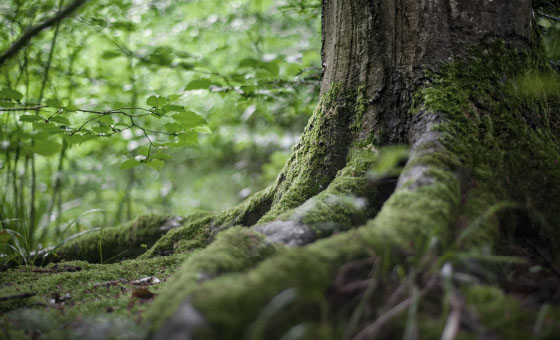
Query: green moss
point(199, 232)
point(501, 314)
point(189, 237)
point(407, 220)
point(506, 135)
point(93, 298)
point(359, 99)
point(349, 200)
point(322, 151)
point(234, 250)
point(116, 243)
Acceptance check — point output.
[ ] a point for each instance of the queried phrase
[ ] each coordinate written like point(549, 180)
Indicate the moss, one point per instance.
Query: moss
point(79, 299)
point(507, 135)
point(234, 250)
point(200, 232)
point(116, 243)
point(349, 200)
point(189, 237)
point(501, 314)
point(407, 220)
point(359, 99)
point(321, 152)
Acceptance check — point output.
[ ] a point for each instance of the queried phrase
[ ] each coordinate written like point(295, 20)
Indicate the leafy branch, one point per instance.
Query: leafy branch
point(181, 126)
point(33, 31)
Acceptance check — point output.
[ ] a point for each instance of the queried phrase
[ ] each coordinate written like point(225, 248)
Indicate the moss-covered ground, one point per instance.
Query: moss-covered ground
point(81, 300)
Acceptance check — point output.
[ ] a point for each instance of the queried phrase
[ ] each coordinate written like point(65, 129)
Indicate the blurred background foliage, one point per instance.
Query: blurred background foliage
point(249, 68)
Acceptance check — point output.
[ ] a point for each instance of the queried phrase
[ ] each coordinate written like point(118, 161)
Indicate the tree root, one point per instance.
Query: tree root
point(114, 243)
point(425, 205)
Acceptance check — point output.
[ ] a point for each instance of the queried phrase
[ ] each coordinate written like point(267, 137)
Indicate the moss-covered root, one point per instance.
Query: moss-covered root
point(424, 206)
point(349, 201)
point(116, 243)
point(198, 233)
point(321, 152)
point(234, 250)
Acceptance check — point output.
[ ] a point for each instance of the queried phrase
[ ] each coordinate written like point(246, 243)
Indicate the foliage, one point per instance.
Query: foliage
point(131, 107)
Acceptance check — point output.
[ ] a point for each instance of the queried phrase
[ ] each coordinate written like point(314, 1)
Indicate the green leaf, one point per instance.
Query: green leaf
point(162, 156)
point(248, 89)
point(272, 67)
point(249, 62)
point(6, 104)
point(130, 163)
point(46, 148)
point(173, 108)
point(110, 54)
point(77, 139)
point(198, 84)
point(46, 129)
point(106, 119)
point(11, 94)
point(174, 97)
point(156, 101)
point(173, 127)
point(70, 108)
point(126, 26)
point(30, 118)
point(60, 119)
point(189, 119)
point(101, 129)
point(155, 164)
point(188, 139)
point(53, 102)
point(144, 151)
point(203, 129)
point(186, 66)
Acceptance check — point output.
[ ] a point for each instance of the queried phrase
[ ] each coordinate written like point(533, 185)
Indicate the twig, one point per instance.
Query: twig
point(17, 296)
point(34, 108)
point(370, 332)
point(548, 16)
point(33, 31)
point(453, 323)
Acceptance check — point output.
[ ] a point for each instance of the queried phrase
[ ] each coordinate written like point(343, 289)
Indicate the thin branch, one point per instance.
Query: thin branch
point(17, 296)
point(33, 108)
point(33, 31)
point(548, 16)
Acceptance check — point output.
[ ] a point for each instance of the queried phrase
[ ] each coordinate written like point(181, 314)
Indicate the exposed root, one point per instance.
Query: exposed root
point(114, 243)
point(200, 232)
point(234, 250)
point(424, 205)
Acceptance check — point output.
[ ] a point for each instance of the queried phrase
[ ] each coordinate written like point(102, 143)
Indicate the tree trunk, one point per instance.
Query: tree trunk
point(354, 232)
